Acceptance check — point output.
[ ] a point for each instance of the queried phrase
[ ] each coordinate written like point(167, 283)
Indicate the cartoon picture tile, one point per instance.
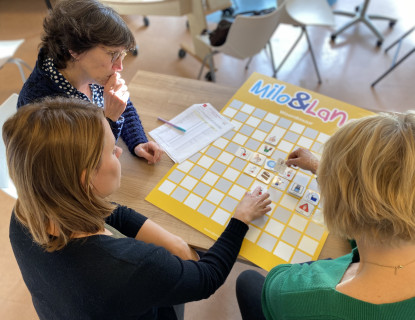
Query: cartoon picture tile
point(297, 128)
point(220, 143)
point(280, 183)
point(231, 174)
point(305, 208)
point(267, 242)
point(274, 227)
point(288, 174)
point(253, 121)
point(252, 234)
point(236, 124)
point(296, 189)
point(215, 196)
point(270, 164)
point(280, 166)
point(230, 112)
point(205, 162)
point(285, 146)
point(248, 108)
point(308, 245)
point(221, 216)
point(272, 118)
point(312, 197)
point(284, 251)
point(265, 176)
point(167, 187)
point(226, 157)
point(237, 192)
point(266, 149)
point(259, 135)
point(276, 135)
point(257, 159)
point(193, 201)
point(252, 170)
point(188, 182)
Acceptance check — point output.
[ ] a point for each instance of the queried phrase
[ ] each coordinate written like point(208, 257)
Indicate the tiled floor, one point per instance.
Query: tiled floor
point(348, 67)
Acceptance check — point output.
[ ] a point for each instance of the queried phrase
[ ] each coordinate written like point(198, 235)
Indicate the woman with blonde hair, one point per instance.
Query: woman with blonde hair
point(83, 257)
point(367, 181)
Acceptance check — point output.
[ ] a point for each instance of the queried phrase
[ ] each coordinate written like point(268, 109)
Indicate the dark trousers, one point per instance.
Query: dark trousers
point(248, 292)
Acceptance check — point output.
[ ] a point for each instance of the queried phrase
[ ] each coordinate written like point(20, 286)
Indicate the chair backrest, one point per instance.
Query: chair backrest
point(7, 109)
point(309, 12)
point(248, 35)
point(8, 49)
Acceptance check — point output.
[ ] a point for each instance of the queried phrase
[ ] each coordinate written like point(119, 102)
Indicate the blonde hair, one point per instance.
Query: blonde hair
point(53, 148)
point(367, 179)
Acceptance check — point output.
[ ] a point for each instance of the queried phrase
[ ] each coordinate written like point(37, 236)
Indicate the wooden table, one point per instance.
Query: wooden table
point(162, 95)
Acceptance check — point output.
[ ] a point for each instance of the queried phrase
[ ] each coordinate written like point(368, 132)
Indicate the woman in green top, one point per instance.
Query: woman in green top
point(367, 181)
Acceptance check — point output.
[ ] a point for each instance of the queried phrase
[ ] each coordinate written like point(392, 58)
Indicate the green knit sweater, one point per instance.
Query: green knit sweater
point(309, 292)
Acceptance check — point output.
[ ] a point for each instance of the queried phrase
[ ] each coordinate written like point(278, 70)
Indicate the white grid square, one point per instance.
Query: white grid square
point(215, 196)
point(237, 124)
point(193, 201)
point(230, 112)
point(237, 192)
point(252, 234)
point(220, 216)
point(298, 222)
point(259, 135)
point(220, 143)
point(308, 245)
point(270, 117)
point(185, 166)
point(231, 174)
point(205, 162)
point(240, 139)
point(284, 251)
point(167, 187)
point(305, 142)
point(188, 183)
point(274, 227)
point(210, 178)
point(322, 137)
point(285, 146)
point(253, 121)
point(247, 108)
point(226, 157)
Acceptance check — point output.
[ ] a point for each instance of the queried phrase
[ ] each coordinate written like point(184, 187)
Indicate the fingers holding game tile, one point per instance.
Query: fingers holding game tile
point(304, 159)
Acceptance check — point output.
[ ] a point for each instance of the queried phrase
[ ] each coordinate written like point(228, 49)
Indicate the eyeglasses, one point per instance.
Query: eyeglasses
point(115, 55)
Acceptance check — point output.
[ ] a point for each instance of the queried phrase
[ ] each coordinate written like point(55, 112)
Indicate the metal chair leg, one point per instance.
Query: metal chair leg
point(19, 62)
point(287, 55)
point(312, 54)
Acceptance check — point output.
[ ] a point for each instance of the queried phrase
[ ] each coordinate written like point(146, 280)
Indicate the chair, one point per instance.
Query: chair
point(7, 109)
point(248, 35)
point(7, 50)
point(396, 62)
point(361, 16)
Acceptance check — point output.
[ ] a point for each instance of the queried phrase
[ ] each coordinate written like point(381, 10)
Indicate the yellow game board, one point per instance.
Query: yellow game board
point(271, 119)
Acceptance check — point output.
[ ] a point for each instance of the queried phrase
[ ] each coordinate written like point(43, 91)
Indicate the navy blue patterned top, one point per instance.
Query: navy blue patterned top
point(46, 81)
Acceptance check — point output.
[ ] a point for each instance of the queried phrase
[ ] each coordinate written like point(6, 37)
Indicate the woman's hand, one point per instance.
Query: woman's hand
point(252, 206)
point(150, 151)
point(115, 97)
point(304, 159)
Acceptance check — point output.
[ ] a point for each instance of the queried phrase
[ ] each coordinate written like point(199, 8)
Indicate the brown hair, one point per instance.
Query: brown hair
point(367, 179)
point(53, 148)
point(80, 25)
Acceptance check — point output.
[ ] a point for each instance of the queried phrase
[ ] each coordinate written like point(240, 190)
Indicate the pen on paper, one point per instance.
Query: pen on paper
point(171, 124)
